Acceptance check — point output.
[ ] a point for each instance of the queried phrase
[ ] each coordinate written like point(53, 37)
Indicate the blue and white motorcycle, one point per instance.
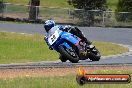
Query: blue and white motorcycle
point(71, 47)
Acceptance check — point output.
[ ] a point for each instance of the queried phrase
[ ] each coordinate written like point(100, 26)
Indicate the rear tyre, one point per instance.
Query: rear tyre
point(71, 56)
point(94, 55)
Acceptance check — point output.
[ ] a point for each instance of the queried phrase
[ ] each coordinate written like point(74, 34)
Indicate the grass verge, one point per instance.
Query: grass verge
point(45, 3)
point(60, 3)
point(16, 48)
point(68, 81)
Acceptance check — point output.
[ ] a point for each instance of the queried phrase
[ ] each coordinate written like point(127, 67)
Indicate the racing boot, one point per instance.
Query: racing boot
point(80, 35)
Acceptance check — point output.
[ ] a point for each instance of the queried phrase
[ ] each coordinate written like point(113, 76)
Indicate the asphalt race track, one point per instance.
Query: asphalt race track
point(115, 35)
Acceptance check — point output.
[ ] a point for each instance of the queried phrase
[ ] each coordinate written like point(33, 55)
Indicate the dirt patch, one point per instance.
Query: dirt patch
point(46, 72)
point(39, 72)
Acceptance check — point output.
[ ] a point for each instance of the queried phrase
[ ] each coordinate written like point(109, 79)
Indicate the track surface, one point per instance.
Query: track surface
point(115, 35)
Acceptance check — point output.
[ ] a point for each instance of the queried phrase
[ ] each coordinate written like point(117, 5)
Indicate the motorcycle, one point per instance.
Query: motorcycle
point(71, 47)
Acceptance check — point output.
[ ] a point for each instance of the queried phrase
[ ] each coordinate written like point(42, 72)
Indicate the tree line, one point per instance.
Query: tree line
point(88, 5)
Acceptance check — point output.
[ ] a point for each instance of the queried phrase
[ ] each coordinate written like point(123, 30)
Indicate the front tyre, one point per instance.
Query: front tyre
point(69, 54)
point(62, 58)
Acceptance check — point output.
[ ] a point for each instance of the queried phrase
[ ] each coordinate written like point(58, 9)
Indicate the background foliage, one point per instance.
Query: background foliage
point(124, 6)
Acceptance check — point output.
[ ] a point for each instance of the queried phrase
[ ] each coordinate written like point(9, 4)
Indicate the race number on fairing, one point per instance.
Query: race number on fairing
point(53, 38)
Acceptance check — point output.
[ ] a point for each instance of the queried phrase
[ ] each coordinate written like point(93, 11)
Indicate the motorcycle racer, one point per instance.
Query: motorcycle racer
point(69, 42)
point(73, 30)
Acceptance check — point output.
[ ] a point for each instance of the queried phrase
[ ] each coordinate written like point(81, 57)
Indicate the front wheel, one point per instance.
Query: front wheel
point(62, 58)
point(70, 54)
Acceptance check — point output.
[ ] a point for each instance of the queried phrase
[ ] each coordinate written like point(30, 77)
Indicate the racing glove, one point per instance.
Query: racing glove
point(67, 28)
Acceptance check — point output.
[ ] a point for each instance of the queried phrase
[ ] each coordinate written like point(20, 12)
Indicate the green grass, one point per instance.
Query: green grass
point(24, 48)
point(24, 2)
point(45, 3)
point(56, 14)
point(107, 48)
point(112, 4)
point(15, 8)
point(16, 48)
point(68, 81)
point(60, 3)
point(60, 15)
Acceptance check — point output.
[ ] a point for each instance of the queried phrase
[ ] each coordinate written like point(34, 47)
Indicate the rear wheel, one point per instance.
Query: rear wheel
point(94, 55)
point(70, 54)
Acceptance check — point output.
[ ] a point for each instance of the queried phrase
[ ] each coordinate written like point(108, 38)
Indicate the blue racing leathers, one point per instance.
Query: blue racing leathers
point(46, 35)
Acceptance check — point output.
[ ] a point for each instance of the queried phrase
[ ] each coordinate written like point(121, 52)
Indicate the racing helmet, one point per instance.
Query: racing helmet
point(48, 25)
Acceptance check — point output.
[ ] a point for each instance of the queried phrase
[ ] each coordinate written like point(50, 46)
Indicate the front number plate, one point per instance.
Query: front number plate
point(53, 38)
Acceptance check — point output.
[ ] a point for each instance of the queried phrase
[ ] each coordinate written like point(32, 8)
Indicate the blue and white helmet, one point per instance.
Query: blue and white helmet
point(48, 25)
